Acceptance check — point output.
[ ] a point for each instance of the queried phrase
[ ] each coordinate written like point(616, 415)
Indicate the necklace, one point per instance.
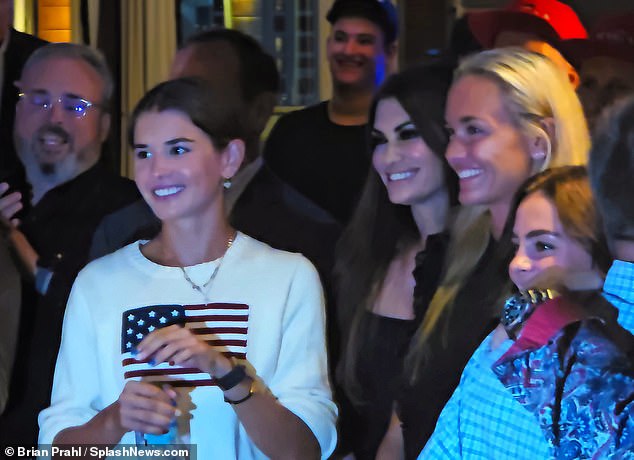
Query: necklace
point(205, 288)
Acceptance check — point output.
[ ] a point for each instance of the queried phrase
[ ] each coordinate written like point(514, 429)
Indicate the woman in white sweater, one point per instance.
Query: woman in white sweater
point(203, 330)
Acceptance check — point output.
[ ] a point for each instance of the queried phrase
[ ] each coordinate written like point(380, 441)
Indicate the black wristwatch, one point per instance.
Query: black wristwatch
point(232, 378)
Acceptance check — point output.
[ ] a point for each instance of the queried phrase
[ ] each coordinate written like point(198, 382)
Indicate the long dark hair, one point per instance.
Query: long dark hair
point(379, 228)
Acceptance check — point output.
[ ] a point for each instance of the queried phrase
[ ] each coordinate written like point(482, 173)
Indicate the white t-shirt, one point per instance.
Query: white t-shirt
point(275, 295)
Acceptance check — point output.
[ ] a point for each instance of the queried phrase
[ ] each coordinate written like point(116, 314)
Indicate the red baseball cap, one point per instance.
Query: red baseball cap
point(548, 19)
point(612, 36)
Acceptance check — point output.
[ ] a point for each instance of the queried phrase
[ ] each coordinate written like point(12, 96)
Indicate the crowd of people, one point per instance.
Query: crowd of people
point(437, 262)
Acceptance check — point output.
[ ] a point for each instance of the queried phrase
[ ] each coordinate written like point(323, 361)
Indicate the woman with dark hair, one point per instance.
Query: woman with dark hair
point(202, 333)
point(400, 222)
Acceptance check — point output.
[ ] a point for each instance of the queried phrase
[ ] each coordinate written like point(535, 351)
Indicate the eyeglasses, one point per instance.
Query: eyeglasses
point(42, 100)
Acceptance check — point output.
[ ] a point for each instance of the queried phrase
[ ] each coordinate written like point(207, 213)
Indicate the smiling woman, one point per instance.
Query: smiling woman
point(410, 170)
point(570, 347)
point(511, 113)
point(196, 341)
point(177, 168)
point(400, 223)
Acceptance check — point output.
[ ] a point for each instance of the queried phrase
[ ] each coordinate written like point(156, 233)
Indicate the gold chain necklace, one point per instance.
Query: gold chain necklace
point(209, 282)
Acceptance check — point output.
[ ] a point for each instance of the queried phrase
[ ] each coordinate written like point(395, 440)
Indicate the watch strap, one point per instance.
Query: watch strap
point(241, 400)
point(232, 378)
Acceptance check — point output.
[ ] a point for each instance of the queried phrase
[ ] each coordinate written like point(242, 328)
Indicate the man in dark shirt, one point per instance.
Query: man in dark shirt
point(61, 123)
point(321, 150)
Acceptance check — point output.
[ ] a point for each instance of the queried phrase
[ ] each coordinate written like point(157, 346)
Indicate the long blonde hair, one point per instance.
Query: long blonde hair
point(534, 90)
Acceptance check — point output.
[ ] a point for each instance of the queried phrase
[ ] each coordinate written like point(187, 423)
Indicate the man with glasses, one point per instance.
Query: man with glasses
point(61, 123)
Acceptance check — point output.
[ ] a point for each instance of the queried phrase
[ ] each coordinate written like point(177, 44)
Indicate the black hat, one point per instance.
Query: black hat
point(380, 12)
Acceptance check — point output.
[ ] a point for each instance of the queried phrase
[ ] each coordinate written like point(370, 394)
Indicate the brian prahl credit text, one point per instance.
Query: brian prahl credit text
point(94, 452)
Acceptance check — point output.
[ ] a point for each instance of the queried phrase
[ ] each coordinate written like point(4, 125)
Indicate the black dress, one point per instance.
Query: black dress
point(379, 369)
point(474, 314)
point(384, 343)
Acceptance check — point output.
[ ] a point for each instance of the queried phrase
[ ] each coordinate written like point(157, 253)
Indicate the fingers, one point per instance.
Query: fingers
point(549, 278)
point(157, 340)
point(183, 348)
point(583, 280)
point(176, 345)
point(9, 204)
point(171, 393)
point(556, 277)
point(146, 408)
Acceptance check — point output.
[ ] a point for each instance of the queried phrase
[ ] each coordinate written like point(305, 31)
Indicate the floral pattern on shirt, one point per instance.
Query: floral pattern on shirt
point(580, 387)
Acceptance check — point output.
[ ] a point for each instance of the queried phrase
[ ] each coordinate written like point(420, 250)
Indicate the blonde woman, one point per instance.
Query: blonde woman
point(511, 113)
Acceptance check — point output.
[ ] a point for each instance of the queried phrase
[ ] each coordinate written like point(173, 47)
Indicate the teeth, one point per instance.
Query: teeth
point(52, 139)
point(351, 61)
point(167, 191)
point(400, 176)
point(466, 173)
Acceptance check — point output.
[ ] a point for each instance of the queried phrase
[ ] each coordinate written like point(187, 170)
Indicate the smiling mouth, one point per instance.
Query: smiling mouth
point(469, 173)
point(168, 191)
point(400, 176)
point(52, 140)
point(350, 62)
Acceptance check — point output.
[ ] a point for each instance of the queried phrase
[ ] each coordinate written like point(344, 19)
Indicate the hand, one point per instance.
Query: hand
point(146, 408)
point(177, 345)
point(9, 204)
point(559, 278)
point(499, 336)
point(588, 280)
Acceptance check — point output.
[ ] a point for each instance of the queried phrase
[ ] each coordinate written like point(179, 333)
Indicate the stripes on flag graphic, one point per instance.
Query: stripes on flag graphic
point(224, 326)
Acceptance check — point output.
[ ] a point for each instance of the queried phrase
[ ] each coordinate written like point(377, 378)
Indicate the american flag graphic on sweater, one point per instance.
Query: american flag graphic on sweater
point(224, 326)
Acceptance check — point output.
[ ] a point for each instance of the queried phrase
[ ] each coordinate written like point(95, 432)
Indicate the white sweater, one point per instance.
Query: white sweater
point(285, 342)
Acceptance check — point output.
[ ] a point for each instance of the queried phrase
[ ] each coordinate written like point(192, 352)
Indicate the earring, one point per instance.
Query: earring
point(227, 183)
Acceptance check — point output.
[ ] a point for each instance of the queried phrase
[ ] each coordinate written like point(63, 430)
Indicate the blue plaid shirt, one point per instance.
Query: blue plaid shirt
point(483, 421)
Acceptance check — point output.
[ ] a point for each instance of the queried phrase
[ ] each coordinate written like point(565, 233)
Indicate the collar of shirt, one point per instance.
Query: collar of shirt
point(239, 182)
point(619, 290)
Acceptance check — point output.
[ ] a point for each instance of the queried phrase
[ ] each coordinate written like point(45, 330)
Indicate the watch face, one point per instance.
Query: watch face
point(519, 306)
point(514, 309)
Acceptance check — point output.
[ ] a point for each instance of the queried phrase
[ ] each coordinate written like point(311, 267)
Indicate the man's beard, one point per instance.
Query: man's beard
point(48, 169)
point(63, 166)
